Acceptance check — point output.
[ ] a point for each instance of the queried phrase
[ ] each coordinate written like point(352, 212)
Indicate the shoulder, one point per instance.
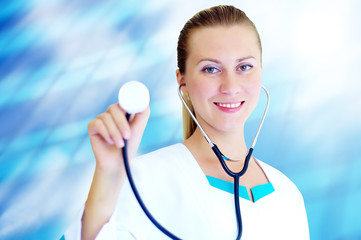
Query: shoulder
point(162, 170)
point(285, 207)
point(279, 180)
point(171, 149)
point(160, 155)
point(164, 159)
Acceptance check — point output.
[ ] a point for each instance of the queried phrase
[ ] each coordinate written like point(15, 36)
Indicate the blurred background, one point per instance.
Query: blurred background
point(62, 63)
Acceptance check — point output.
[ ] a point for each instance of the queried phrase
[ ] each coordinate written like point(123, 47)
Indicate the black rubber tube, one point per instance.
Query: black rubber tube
point(137, 196)
point(139, 199)
point(235, 176)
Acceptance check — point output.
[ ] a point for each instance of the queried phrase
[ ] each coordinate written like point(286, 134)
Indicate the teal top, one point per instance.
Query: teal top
point(258, 191)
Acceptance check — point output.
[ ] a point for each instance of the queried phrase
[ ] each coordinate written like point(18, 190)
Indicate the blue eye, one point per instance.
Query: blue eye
point(245, 67)
point(210, 69)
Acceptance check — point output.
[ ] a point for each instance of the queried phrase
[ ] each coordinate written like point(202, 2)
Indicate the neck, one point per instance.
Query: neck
point(231, 144)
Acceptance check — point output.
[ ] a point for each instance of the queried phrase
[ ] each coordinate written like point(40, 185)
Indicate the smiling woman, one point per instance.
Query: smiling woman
point(223, 69)
point(220, 71)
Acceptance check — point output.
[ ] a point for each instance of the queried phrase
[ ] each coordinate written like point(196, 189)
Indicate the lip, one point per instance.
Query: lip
point(229, 107)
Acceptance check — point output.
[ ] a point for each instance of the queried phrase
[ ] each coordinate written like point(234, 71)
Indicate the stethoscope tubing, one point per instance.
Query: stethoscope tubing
point(236, 176)
point(136, 193)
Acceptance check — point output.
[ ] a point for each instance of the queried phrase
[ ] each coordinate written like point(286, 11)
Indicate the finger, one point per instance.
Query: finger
point(97, 127)
point(120, 120)
point(113, 130)
point(137, 124)
point(139, 121)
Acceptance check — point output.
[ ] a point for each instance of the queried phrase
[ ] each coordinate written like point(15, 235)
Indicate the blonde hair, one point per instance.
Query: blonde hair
point(222, 15)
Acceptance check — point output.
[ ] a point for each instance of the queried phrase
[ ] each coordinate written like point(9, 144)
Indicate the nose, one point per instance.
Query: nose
point(230, 84)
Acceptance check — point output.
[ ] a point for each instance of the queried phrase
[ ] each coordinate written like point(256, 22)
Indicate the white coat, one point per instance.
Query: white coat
point(179, 196)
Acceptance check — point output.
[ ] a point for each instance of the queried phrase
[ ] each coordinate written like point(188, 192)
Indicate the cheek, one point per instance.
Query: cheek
point(254, 90)
point(254, 85)
point(198, 88)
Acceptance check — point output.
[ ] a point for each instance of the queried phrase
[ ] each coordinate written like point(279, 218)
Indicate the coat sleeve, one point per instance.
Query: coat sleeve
point(109, 231)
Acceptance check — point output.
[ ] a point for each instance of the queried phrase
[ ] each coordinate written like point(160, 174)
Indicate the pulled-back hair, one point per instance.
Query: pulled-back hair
point(222, 15)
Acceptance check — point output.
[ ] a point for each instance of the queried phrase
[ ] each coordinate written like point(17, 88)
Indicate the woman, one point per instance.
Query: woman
point(184, 186)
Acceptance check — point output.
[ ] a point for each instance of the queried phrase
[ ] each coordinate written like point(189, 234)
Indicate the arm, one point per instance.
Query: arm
point(106, 134)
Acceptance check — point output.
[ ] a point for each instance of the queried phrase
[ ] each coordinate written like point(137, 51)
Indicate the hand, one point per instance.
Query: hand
point(107, 131)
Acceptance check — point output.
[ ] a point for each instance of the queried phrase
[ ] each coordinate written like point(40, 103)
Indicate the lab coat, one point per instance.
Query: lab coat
point(179, 196)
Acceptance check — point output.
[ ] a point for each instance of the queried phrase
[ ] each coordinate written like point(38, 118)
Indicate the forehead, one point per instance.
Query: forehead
point(223, 42)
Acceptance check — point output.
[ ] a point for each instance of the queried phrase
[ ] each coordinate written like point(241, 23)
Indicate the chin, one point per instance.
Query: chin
point(231, 126)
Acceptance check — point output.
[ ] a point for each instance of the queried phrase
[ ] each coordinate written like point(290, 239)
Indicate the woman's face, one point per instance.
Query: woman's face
point(223, 75)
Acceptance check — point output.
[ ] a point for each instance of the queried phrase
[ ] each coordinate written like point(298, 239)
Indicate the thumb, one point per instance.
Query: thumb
point(137, 125)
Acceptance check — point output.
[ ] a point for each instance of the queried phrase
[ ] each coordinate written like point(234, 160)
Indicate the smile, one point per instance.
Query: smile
point(229, 105)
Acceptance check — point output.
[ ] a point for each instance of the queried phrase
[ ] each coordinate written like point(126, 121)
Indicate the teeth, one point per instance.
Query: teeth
point(229, 105)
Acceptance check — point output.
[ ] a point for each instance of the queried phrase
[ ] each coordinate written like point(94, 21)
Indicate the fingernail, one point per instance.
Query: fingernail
point(111, 141)
point(126, 134)
point(120, 143)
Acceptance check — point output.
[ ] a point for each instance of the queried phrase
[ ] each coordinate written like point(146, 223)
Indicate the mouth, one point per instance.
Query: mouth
point(229, 107)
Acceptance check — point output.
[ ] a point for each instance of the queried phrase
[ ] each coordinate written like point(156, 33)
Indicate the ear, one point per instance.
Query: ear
point(180, 77)
point(180, 80)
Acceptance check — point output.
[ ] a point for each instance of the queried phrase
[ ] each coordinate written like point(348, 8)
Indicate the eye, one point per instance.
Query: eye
point(245, 67)
point(210, 70)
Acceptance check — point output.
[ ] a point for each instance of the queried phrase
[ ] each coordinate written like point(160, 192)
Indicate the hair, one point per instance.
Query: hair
point(222, 15)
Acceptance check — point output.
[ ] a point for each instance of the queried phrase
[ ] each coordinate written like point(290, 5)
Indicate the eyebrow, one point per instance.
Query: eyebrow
point(219, 62)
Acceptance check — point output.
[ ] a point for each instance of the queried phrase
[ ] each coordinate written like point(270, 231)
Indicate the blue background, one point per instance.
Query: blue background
point(62, 63)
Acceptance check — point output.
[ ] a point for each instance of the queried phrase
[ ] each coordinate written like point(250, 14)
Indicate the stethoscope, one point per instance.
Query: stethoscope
point(222, 158)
